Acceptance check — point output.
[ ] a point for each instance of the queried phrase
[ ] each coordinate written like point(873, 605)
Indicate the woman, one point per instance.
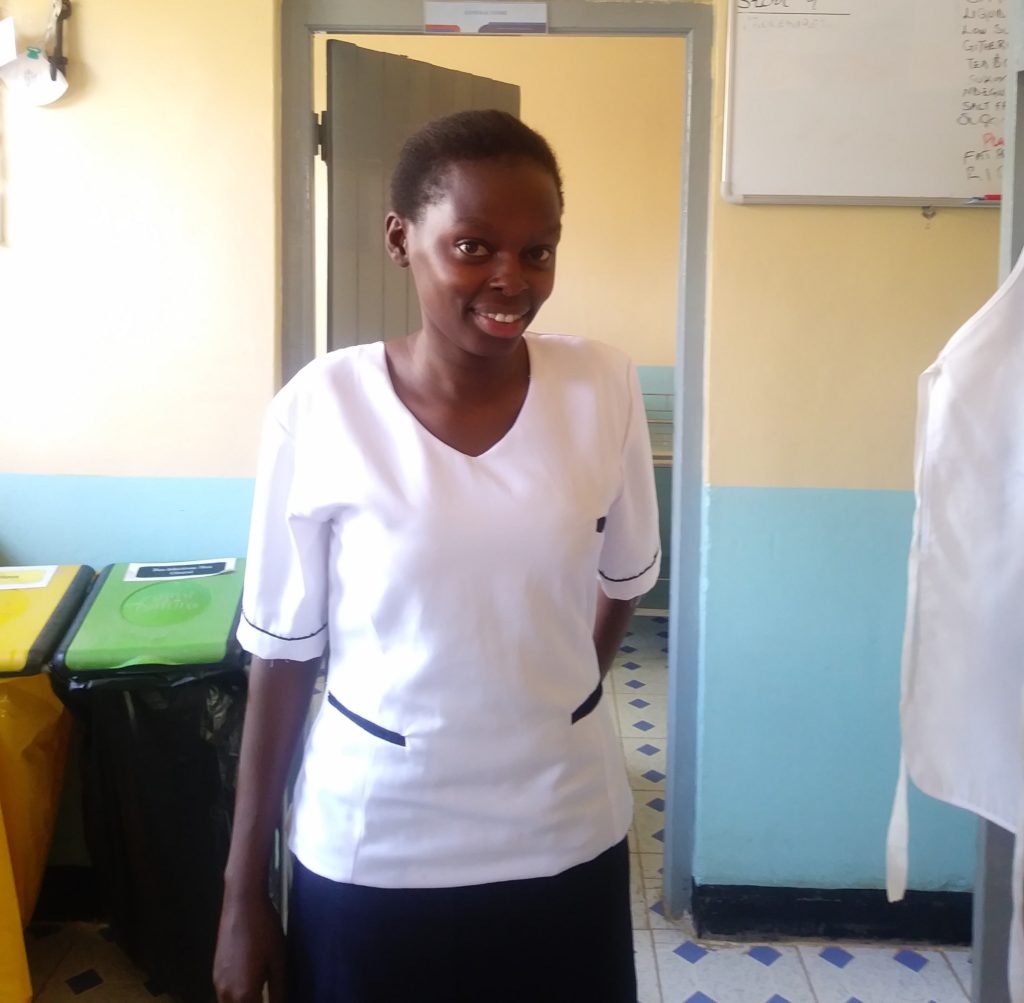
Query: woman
point(437, 512)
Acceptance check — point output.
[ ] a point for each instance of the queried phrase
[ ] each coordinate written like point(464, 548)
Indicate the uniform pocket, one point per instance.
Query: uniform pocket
point(589, 704)
point(368, 726)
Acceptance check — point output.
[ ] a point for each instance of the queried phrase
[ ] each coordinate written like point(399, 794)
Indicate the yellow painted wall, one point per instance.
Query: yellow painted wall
point(612, 108)
point(138, 266)
point(820, 320)
point(138, 275)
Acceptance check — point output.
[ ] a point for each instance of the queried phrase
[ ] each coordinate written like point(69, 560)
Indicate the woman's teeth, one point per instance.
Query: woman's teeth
point(504, 318)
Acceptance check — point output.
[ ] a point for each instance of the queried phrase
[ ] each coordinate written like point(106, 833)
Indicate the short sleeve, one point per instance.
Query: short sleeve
point(631, 552)
point(285, 596)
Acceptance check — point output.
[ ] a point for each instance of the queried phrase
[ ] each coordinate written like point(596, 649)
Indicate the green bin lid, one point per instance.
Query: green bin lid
point(175, 614)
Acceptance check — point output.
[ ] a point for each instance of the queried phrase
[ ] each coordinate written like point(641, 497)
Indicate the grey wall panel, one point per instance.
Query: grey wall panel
point(370, 208)
point(399, 84)
point(342, 190)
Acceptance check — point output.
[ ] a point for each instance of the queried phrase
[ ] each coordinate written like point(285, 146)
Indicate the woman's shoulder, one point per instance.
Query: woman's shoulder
point(576, 355)
point(337, 375)
point(340, 364)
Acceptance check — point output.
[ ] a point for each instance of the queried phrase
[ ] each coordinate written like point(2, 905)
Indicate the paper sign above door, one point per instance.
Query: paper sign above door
point(485, 18)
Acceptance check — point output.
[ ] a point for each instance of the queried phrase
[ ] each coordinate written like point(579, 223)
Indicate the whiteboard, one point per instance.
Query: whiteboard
point(866, 101)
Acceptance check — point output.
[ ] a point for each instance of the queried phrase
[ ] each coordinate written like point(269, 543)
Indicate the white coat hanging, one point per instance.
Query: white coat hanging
point(963, 649)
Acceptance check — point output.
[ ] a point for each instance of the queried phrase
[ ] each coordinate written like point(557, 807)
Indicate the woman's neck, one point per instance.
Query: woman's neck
point(433, 367)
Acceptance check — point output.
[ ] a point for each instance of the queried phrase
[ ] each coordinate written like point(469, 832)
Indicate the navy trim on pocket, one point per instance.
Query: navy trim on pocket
point(588, 705)
point(374, 729)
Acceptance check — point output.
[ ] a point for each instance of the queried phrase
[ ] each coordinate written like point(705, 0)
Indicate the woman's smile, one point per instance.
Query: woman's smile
point(501, 325)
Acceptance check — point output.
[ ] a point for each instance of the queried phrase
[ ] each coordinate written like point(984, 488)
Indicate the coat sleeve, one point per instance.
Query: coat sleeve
point(631, 552)
point(284, 602)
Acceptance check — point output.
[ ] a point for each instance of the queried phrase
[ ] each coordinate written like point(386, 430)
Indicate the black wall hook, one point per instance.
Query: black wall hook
point(58, 61)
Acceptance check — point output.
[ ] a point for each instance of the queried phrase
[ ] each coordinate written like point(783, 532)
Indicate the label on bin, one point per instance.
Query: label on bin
point(179, 570)
point(35, 577)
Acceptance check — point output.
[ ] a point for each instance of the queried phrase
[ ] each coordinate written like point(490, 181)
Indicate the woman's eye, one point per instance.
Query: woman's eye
point(472, 248)
point(542, 255)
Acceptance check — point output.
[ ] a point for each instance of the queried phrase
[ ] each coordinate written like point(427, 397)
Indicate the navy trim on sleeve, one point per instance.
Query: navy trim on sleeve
point(281, 637)
point(630, 578)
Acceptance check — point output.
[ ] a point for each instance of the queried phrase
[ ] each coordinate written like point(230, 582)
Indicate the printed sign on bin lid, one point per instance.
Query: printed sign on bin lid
point(175, 614)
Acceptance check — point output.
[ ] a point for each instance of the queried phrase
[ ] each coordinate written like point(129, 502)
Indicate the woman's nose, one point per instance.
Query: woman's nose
point(508, 275)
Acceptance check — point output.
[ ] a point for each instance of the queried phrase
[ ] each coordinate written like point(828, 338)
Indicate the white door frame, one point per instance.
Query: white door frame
point(299, 21)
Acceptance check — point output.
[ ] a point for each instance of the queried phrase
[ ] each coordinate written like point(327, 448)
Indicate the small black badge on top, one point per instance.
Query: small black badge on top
point(601, 522)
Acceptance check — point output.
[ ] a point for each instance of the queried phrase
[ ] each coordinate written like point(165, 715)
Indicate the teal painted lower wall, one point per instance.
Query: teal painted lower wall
point(803, 611)
point(101, 520)
point(799, 733)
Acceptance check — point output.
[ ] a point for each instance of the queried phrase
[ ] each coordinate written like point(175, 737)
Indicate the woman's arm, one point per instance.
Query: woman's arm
point(610, 623)
point(250, 943)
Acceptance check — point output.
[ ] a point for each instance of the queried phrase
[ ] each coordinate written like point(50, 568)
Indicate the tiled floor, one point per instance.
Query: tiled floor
point(79, 961)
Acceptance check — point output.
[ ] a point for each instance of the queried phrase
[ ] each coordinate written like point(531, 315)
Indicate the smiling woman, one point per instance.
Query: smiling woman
point(467, 515)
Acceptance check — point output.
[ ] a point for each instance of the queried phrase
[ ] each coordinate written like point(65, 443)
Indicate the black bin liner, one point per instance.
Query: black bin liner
point(159, 762)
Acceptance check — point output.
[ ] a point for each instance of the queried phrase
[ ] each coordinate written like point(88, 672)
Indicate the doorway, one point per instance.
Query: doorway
point(692, 21)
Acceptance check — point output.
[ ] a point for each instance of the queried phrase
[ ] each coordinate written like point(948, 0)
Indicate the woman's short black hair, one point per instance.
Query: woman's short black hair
point(418, 180)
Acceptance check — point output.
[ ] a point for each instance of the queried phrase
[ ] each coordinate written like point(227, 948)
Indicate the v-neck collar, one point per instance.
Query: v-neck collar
point(533, 357)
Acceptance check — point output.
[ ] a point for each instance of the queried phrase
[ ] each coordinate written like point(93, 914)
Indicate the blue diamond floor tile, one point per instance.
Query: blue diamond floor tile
point(766, 955)
point(910, 959)
point(836, 956)
point(699, 998)
point(83, 981)
point(627, 648)
point(635, 684)
point(657, 804)
point(689, 951)
point(643, 725)
point(648, 750)
point(639, 703)
point(655, 776)
point(631, 665)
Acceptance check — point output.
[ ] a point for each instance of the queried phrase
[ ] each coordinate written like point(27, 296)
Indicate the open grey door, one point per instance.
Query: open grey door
point(374, 101)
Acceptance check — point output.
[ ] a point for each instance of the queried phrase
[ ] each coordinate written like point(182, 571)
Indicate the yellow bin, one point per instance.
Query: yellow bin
point(36, 606)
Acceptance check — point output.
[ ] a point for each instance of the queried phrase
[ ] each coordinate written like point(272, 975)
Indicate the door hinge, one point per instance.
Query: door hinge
point(320, 135)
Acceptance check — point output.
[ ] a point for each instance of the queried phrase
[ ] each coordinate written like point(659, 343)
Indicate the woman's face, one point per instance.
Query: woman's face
point(483, 256)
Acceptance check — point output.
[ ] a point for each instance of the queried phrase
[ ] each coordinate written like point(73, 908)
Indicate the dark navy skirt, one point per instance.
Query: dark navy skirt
point(558, 939)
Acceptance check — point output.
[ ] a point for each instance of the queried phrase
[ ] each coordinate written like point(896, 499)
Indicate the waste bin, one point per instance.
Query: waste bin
point(36, 606)
point(152, 669)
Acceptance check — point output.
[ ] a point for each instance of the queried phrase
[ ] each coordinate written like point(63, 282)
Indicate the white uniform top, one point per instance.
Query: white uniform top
point(963, 648)
point(456, 596)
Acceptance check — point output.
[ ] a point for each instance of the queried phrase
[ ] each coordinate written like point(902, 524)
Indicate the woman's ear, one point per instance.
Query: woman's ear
point(395, 236)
